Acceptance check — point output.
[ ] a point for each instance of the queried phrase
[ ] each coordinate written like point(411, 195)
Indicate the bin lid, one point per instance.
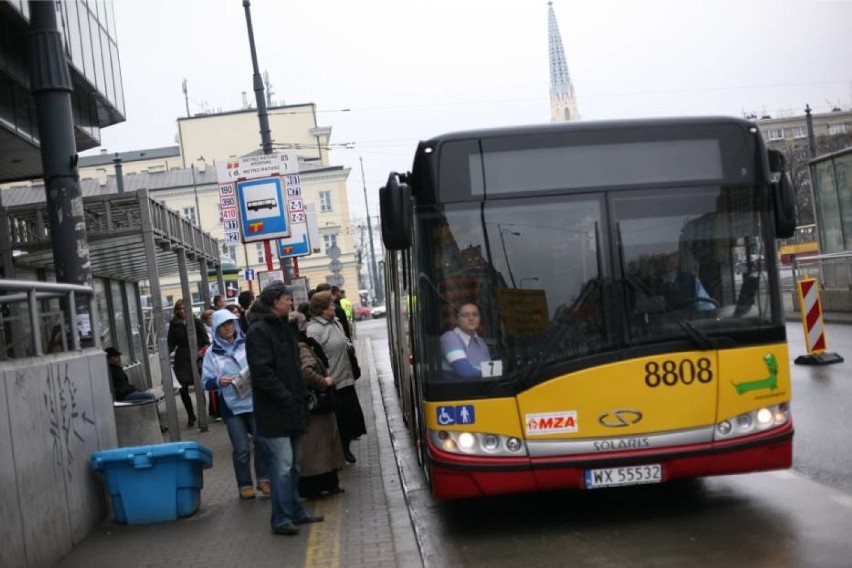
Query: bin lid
point(186, 450)
point(119, 404)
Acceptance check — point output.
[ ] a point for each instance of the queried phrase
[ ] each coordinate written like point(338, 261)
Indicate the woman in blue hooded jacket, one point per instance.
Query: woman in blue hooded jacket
point(224, 360)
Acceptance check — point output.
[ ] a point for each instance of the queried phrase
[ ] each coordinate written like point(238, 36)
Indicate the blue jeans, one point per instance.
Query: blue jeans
point(139, 395)
point(283, 455)
point(239, 427)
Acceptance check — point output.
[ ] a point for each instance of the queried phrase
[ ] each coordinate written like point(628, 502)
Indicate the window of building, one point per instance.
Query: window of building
point(834, 129)
point(329, 240)
point(776, 134)
point(325, 201)
point(189, 213)
point(230, 251)
point(800, 132)
point(261, 254)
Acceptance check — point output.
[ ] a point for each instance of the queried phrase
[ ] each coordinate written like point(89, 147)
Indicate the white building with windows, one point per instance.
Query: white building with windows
point(183, 177)
point(794, 130)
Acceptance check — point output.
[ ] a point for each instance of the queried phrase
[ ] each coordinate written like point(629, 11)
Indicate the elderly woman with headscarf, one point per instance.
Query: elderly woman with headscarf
point(320, 449)
point(223, 363)
point(328, 332)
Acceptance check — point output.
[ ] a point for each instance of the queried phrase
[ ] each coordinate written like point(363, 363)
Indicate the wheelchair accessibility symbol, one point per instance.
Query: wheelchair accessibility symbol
point(462, 414)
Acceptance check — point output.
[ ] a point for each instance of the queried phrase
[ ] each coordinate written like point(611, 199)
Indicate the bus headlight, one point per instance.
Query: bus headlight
point(490, 442)
point(514, 444)
point(765, 417)
point(754, 421)
point(466, 441)
point(477, 443)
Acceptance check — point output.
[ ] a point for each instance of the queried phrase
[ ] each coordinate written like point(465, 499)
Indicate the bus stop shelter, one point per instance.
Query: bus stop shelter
point(132, 237)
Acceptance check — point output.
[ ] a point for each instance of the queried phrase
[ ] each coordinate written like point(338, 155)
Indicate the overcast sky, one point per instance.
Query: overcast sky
point(409, 70)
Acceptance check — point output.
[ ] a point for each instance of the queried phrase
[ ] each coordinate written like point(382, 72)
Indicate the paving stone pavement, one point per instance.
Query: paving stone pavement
point(367, 526)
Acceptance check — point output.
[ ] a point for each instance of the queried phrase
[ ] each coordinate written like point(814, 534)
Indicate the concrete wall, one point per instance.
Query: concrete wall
point(56, 410)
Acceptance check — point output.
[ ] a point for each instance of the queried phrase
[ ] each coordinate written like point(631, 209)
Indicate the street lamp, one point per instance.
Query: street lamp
point(531, 278)
point(505, 255)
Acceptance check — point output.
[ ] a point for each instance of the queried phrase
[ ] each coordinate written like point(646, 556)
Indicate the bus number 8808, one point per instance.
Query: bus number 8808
point(671, 372)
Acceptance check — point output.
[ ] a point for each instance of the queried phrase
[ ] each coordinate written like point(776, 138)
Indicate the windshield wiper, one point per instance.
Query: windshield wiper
point(698, 337)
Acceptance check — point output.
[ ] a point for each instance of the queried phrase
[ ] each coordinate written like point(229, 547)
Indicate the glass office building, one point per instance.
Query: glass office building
point(88, 31)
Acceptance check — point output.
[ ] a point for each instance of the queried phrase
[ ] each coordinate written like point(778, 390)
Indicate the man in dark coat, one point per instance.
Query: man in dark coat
point(280, 402)
point(122, 388)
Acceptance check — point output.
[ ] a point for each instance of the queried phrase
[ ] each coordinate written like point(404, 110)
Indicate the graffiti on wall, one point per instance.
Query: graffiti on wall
point(65, 418)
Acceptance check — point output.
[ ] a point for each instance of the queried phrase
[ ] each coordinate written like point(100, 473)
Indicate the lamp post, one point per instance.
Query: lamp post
point(287, 265)
point(505, 254)
point(377, 292)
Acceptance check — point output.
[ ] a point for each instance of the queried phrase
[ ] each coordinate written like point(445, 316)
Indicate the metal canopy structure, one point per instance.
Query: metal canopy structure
point(116, 232)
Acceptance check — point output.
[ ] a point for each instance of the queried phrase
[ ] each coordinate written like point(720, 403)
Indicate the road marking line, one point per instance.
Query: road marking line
point(324, 541)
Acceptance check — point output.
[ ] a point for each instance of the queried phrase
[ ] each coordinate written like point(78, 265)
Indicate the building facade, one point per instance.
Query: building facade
point(792, 131)
point(97, 97)
point(184, 179)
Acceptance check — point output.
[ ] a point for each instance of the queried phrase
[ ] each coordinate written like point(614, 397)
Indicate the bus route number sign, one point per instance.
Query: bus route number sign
point(491, 368)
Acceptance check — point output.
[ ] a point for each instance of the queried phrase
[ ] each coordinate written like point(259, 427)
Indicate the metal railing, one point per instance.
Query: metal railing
point(833, 270)
point(14, 293)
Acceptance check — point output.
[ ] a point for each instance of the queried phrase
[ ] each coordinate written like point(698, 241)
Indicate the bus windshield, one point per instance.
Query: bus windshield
point(561, 283)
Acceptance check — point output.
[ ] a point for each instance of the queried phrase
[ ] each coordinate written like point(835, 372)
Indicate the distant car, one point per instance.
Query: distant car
point(363, 312)
point(378, 312)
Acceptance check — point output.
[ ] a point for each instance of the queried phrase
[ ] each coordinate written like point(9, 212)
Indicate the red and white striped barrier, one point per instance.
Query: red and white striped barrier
point(816, 343)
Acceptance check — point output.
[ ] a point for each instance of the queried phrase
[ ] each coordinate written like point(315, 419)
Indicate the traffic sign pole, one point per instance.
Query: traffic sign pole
point(267, 254)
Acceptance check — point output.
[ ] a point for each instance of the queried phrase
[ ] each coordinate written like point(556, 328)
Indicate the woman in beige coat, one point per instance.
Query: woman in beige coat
point(321, 452)
point(328, 332)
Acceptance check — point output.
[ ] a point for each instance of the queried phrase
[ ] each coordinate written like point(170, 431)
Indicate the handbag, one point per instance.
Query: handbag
point(350, 351)
point(322, 402)
point(353, 361)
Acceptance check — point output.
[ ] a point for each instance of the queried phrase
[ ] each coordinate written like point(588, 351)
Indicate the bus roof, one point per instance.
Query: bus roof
point(548, 128)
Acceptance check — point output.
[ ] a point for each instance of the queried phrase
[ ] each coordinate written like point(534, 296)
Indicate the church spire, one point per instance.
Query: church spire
point(563, 104)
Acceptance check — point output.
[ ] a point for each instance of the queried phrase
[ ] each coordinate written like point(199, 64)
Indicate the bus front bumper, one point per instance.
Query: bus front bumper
point(457, 477)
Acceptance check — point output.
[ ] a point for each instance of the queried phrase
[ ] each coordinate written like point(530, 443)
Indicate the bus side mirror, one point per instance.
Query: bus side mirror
point(397, 213)
point(783, 199)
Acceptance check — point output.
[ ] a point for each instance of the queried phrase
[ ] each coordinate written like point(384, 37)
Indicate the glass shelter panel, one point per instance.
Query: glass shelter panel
point(133, 319)
point(843, 183)
point(119, 318)
point(828, 213)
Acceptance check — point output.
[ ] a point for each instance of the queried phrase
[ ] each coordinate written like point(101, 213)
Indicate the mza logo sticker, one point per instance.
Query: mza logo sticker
point(551, 423)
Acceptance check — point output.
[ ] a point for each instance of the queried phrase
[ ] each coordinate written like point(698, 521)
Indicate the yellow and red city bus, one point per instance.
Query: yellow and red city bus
point(802, 243)
point(623, 347)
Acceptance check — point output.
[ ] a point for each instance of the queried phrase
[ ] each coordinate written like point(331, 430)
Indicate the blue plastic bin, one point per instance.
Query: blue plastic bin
point(151, 484)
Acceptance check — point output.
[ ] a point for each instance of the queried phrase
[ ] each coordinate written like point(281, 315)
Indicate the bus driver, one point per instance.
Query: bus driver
point(462, 347)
